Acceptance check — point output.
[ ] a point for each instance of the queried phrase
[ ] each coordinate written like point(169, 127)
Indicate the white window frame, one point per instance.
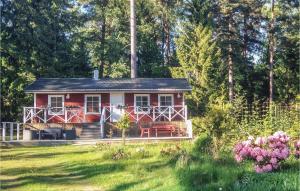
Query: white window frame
point(63, 105)
point(135, 106)
point(172, 100)
point(85, 104)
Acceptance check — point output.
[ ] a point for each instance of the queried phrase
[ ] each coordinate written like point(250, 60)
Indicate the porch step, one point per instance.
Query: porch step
point(90, 131)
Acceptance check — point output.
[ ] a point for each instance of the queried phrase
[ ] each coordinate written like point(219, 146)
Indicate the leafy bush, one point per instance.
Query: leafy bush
point(142, 153)
point(120, 154)
point(202, 143)
point(297, 149)
point(183, 159)
point(124, 124)
point(267, 153)
point(170, 151)
point(226, 124)
point(176, 154)
point(102, 146)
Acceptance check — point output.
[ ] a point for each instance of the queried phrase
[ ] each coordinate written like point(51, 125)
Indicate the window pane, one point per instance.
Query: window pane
point(89, 109)
point(145, 99)
point(96, 109)
point(92, 104)
point(138, 98)
point(96, 99)
point(168, 98)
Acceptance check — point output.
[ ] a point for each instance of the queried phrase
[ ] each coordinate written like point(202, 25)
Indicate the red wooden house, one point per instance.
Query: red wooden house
point(102, 101)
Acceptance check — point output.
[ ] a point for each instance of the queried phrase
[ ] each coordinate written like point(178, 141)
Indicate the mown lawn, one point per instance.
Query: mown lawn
point(90, 168)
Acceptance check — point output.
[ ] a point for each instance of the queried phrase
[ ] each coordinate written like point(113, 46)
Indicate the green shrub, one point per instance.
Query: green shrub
point(202, 143)
point(226, 124)
point(142, 153)
point(120, 154)
point(124, 124)
point(102, 146)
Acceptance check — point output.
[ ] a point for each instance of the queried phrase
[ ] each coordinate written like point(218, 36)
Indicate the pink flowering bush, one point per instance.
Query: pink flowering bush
point(297, 149)
point(267, 153)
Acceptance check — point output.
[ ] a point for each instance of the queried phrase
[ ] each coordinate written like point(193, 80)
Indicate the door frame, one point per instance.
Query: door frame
point(110, 103)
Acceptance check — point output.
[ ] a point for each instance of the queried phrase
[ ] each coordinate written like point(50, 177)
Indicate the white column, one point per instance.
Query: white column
point(18, 131)
point(11, 132)
point(169, 113)
point(185, 112)
point(3, 131)
point(45, 115)
point(24, 115)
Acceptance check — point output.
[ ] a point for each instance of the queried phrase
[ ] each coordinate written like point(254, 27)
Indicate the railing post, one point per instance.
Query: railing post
point(45, 115)
point(24, 115)
point(11, 132)
point(31, 113)
point(153, 113)
point(185, 112)
point(66, 115)
point(169, 113)
point(18, 131)
point(3, 131)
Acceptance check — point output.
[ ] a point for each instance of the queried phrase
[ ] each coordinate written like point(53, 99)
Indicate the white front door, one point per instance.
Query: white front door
point(116, 99)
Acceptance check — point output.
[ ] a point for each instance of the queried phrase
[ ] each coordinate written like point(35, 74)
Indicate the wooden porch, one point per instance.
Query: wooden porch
point(147, 122)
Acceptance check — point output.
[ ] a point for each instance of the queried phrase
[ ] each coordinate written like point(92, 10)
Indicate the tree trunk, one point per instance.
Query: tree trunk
point(133, 39)
point(230, 62)
point(271, 53)
point(123, 136)
point(102, 41)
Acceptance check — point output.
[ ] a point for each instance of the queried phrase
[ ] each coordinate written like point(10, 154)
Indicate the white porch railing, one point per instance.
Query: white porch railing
point(154, 113)
point(11, 130)
point(46, 114)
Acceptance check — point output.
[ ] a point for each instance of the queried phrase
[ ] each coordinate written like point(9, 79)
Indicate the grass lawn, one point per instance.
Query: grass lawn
point(90, 168)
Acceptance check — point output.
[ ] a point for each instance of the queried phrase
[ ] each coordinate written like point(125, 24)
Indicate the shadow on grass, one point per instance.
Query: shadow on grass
point(63, 174)
point(25, 155)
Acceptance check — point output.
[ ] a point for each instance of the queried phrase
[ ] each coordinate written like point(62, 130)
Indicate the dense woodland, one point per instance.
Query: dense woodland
point(226, 49)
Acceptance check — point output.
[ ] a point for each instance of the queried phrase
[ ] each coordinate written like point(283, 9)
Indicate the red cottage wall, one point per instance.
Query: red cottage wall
point(76, 99)
point(129, 101)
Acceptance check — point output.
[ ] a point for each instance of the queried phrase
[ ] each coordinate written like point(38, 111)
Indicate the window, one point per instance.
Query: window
point(141, 103)
point(164, 101)
point(56, 104)
point(92, 104)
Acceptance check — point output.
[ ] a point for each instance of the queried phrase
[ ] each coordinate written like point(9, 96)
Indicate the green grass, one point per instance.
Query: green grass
point(89, 168)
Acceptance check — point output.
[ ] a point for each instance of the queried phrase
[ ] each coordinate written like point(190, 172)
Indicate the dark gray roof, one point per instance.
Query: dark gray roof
point(102, 85)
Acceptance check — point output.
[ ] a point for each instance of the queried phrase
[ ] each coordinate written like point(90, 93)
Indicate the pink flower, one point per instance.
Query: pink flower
point(264, 153)
point(268, 168)
point(258, 169)
point(247, 143)
point(297, 144)
point(238, 158)
point(260, 141)
point(259, 158)
point(250, 138)
point(273, 161)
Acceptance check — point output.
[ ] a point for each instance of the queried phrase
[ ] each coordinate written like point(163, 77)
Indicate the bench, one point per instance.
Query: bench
point(164, 128)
